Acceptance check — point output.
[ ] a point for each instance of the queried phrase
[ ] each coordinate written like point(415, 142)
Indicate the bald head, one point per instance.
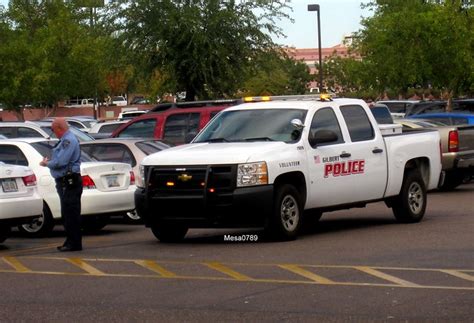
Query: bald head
point(59, 127)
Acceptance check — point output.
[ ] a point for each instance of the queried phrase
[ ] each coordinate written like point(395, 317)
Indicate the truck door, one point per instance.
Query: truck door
point(351, 168)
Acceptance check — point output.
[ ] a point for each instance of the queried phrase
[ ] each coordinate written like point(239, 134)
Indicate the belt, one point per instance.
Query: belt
point(65, 177)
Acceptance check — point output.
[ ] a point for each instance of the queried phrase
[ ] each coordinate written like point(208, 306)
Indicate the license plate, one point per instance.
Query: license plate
point(112, 181)
point(9, 185)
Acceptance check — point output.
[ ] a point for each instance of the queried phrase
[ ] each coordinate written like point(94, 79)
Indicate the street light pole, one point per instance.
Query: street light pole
point(315, 7)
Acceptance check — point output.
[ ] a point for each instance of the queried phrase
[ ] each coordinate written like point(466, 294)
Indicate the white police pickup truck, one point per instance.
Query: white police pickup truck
point(266, 164)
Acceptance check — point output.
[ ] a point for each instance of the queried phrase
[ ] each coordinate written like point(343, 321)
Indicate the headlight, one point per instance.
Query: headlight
point(141, 182)
point(252, 174)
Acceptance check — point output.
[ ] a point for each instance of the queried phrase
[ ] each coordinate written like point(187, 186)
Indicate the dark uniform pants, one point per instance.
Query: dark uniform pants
point(70, 192)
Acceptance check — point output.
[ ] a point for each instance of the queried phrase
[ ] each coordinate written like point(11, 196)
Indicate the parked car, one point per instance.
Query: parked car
point(46, 126)
point(20, 202)
point(447, 118)
point(104, 129)
point(119, 100)
point(82, 123)
point(457, 147)
point(177, 125)
point(79, 103)
point(458, 106)
point(124, 150)
point(36, 129)
point(398, 108)
point(128, 115)
point(108, 187)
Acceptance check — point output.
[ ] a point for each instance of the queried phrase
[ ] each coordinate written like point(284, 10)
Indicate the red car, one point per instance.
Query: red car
point(177, 125)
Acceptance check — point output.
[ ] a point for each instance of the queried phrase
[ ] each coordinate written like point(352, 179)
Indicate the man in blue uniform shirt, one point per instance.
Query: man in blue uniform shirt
point(65, 167)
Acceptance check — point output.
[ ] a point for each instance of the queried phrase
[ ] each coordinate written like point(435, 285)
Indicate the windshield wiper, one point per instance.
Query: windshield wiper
point(259, 139)
point(216, 140)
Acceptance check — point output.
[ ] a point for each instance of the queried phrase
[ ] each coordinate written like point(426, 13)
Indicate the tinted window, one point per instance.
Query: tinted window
point(396, 107)
point(45, 148)
point(381, 114)
point(110, 152)
point(7, 131)
point(357, 123)
point(10, 154)
point(109, 128)
point(140, 129)
point(178, 126)
point(24, 132)
point(325, 119)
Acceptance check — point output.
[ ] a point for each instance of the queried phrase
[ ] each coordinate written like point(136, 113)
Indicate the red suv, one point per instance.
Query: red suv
point(176, 125)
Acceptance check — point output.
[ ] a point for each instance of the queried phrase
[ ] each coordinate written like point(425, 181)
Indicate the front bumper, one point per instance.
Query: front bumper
point(242, 207)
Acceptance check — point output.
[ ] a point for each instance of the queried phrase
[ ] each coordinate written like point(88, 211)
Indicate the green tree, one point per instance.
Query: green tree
point(202, 45)
point(419, 44)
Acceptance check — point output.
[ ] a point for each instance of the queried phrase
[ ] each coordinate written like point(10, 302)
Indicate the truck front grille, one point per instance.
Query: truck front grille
point(191, 180)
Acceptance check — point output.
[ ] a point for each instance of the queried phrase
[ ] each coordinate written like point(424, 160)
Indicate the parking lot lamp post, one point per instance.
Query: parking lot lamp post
point(315, 7)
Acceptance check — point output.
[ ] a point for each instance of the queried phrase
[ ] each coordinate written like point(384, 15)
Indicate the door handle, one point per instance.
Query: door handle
point(377, 150)
point(345, 155)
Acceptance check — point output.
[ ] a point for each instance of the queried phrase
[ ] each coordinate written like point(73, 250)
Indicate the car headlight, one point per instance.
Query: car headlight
point(141, 171)
point(251, 174)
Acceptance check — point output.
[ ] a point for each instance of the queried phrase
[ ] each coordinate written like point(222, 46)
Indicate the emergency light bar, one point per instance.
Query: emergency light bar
point(307, 97)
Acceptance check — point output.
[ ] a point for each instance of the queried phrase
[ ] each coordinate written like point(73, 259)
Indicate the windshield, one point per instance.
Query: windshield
point(45, 148)
point(253, 125)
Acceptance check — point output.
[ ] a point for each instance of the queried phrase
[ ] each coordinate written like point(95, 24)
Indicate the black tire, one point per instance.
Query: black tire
point(451, 181)
point(169, 232)
point(41, 226)
point(285, 220)
point(4, 233)
point(410, 205)
point(94, 223)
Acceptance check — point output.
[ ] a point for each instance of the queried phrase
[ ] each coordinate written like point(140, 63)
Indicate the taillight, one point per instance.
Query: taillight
point(453, 142)
point(87, 182)
point(29, 180)
point(132, 178)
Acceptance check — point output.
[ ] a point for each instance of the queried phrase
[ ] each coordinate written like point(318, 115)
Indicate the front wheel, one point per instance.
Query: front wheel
point(94, 223)
point(40, 226)
point(410, 205)
point(169, 232)
point(285, 221)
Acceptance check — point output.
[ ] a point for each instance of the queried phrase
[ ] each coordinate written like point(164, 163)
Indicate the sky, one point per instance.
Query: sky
point(338, 18)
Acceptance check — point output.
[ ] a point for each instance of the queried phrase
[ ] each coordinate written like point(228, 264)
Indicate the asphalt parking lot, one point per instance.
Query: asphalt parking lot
point(355, 265)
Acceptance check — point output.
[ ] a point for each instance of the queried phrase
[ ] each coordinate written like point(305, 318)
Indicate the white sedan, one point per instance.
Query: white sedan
point(108, 187)
point(20, 202)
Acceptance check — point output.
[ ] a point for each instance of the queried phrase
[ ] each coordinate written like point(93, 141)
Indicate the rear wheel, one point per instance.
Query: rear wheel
point(169, 232)
point(410, 205)
point(285, 221)
point(40, 226)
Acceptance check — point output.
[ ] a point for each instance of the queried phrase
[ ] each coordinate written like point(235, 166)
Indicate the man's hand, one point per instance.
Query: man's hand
point(44, 162)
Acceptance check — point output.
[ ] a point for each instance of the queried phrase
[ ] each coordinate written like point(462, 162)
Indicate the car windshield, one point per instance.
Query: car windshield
point(45, 148)
point(81, 136)
point(252, 125)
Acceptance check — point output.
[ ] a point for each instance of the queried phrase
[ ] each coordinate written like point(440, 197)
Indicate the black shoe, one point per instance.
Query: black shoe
point(69, 248)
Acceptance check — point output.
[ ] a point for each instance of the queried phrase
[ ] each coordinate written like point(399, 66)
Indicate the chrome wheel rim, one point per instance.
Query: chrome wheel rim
point(35, 225)
point(415, 198)
point(133, 215)
point(289, 213)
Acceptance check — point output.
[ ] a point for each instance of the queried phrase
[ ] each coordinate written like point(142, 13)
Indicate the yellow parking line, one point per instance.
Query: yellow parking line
point(458, 274)
point(153, 266)
point(228, 271)
point(379, 274)
point(16, 264)
point(305, 273)
point(85, 266)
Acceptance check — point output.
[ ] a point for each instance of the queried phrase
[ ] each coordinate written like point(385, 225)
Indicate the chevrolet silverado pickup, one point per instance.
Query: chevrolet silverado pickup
point(266, 164)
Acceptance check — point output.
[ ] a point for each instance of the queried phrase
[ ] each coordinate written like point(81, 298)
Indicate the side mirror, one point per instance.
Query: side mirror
point(322, 137)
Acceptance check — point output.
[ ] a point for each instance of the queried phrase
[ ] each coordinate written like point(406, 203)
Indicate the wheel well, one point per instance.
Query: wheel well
point(422, 164)
point(296, 179)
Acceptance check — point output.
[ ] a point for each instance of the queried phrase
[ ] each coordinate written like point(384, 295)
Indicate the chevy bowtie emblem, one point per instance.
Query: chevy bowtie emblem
point(185, 177)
